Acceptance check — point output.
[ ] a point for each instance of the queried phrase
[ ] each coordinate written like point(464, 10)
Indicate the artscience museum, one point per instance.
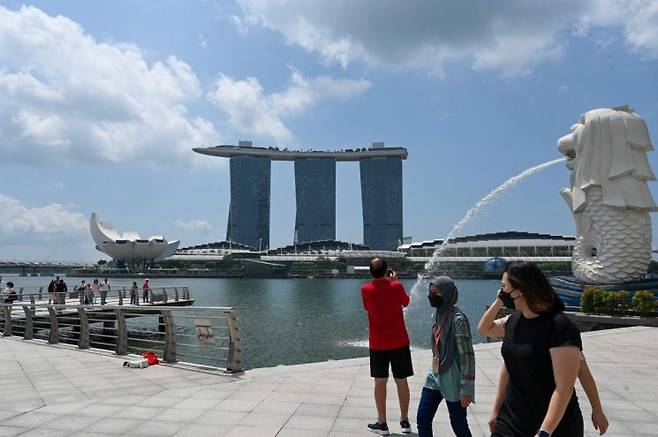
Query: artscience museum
point(129, 246)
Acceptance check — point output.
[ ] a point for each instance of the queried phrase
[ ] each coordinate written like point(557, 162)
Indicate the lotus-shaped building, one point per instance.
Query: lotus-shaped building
point(129, 246)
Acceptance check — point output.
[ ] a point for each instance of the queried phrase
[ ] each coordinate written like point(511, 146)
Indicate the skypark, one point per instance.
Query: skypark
point(276, 154)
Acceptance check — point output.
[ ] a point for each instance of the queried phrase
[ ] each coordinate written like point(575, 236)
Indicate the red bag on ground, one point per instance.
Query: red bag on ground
point(151, 357)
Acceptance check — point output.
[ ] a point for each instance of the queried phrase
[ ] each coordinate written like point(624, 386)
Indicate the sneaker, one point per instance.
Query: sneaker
point(406, 427)
point(378, 428)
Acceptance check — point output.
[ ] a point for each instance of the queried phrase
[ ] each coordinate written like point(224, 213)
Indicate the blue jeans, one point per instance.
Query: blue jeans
point(429, 403)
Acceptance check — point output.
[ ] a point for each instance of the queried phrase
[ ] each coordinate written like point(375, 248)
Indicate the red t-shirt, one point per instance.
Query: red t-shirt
point(384, 299)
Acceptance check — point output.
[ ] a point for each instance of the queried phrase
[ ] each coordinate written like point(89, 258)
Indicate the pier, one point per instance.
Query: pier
point(62, 391)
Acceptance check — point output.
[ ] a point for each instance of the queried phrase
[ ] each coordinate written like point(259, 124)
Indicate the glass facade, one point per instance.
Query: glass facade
point(249, 212)
point(315, 191)
point(381, 196)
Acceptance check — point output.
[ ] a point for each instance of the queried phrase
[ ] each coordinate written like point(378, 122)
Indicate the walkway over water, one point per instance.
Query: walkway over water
point(61, 391)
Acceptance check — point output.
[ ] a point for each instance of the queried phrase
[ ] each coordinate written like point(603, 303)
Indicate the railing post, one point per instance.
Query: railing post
point(53, 337)
point(28, 332)
point(122, 332)
point(32, 307)
point(83, 343)
point(234, 361)
point(7, 314)
point(40, 295)
point(176, 293)
point(170, 335)
point(121, 297)
point(20, 294)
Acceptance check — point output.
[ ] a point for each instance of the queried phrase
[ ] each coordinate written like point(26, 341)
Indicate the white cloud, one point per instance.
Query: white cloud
point(510, 36)
point(194, 225)
point(16, 217)
point(252, 111)
point(66, 96)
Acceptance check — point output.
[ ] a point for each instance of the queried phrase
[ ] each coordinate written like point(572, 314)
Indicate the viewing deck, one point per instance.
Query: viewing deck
point(62, 391)
point(274, 154)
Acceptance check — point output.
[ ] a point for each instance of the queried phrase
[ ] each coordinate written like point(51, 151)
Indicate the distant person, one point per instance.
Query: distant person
point(384, 298)
point(541, 358)
point(146, 289)
point(9, 294)
point(105, 287)
point(94, 289)
point(82, 292)
point(452, 376)
point(51, 292)
point(60, 291)
point(134, 298)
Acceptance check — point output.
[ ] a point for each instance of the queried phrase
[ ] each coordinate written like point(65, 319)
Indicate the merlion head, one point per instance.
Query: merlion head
point(608, 147)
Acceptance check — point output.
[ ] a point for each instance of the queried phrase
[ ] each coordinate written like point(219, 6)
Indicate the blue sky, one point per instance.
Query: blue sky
point(101, 103)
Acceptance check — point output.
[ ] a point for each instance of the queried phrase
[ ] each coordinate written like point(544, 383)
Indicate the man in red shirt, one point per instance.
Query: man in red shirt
point(383, 299)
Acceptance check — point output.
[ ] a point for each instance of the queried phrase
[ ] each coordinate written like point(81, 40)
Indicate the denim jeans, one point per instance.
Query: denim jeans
point(429, 403)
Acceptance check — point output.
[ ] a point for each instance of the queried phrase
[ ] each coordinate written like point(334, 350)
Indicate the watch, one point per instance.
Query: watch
point(542, 433)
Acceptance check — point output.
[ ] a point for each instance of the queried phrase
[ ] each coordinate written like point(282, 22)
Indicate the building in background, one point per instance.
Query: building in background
point(315, 189)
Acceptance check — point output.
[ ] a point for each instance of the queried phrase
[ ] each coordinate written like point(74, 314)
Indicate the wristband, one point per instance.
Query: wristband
point(542, 433)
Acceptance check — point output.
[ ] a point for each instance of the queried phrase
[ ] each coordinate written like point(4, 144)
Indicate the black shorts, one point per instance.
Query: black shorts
point(400, 360)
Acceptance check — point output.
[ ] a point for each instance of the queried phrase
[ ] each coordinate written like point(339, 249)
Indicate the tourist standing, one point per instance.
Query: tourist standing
point(51, 291)
point(60, 291)
point(134, 298)
point(9, 294)
point(105, 287)
point(452, 376)
point(541, 353)
point(82, 292)
point(95, 289)
point(146, 288)
point(384, 298)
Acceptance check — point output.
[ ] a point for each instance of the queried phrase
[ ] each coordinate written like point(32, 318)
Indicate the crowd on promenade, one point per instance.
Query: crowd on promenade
point(88, 293)
point(541, 349)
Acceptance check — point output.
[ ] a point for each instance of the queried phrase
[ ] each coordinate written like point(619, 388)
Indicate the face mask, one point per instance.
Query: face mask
point(435, 300)
point(507, 299)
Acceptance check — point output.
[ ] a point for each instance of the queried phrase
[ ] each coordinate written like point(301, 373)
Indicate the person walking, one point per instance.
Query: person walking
point(94, 289)
point(541, 354)
point(146, 288)
point(384, 298)
point(82, 292)
point(452, 376)
point(134, 298)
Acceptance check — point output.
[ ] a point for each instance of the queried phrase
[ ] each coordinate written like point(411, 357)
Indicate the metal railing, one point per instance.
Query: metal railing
point(117, 295)
point(206, 336)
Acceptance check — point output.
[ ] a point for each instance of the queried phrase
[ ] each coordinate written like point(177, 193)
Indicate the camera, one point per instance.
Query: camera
point(390, 272)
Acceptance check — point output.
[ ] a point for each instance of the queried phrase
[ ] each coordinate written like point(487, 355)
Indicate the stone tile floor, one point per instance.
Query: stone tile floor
point(62, 391)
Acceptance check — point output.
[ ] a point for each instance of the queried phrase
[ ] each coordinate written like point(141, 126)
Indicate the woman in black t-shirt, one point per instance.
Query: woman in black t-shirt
point(541, 352)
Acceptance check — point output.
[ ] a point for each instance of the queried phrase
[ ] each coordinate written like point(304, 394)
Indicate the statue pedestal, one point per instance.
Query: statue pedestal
point(570, 289)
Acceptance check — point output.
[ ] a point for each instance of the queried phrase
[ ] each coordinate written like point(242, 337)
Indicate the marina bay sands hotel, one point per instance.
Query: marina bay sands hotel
point(315, 190)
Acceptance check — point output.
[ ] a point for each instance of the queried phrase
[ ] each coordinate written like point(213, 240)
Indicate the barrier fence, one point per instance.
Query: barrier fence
point(206, 336)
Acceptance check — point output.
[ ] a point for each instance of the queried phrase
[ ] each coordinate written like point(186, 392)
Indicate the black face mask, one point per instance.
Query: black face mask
point(507, 299)
point(435, 300)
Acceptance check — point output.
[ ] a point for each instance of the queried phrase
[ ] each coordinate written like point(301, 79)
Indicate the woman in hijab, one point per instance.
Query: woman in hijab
point(453, 364)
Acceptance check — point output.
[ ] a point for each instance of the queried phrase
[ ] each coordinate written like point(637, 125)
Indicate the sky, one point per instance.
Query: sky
point(102, 102)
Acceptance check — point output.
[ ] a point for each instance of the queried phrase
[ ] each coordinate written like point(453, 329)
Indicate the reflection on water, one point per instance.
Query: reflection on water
point(290, 321)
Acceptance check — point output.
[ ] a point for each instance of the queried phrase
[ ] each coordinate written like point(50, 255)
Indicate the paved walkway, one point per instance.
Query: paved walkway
point(61, 391)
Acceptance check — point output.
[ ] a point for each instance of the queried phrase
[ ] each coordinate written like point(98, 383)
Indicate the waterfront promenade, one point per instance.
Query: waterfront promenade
point(62, 391)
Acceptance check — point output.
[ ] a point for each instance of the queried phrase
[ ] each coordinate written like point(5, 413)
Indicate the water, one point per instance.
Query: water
point(291, 321)
point(432, 266)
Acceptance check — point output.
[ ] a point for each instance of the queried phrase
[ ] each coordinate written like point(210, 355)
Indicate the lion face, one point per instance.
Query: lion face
point(568, 145)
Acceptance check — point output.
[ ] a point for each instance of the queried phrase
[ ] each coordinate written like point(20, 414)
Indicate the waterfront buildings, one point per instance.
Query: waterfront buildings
point(315, 192)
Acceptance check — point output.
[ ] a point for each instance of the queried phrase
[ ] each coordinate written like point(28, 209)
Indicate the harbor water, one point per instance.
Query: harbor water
point(293, 321)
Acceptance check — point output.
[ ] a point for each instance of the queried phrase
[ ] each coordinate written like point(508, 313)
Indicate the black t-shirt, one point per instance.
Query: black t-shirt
point(531, 383)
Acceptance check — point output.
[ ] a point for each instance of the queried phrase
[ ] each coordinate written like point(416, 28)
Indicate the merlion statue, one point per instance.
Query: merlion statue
point(609, 196)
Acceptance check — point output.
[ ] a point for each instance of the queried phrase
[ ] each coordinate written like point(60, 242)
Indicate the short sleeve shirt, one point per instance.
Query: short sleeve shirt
point(384, 300)
point(526, 352)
